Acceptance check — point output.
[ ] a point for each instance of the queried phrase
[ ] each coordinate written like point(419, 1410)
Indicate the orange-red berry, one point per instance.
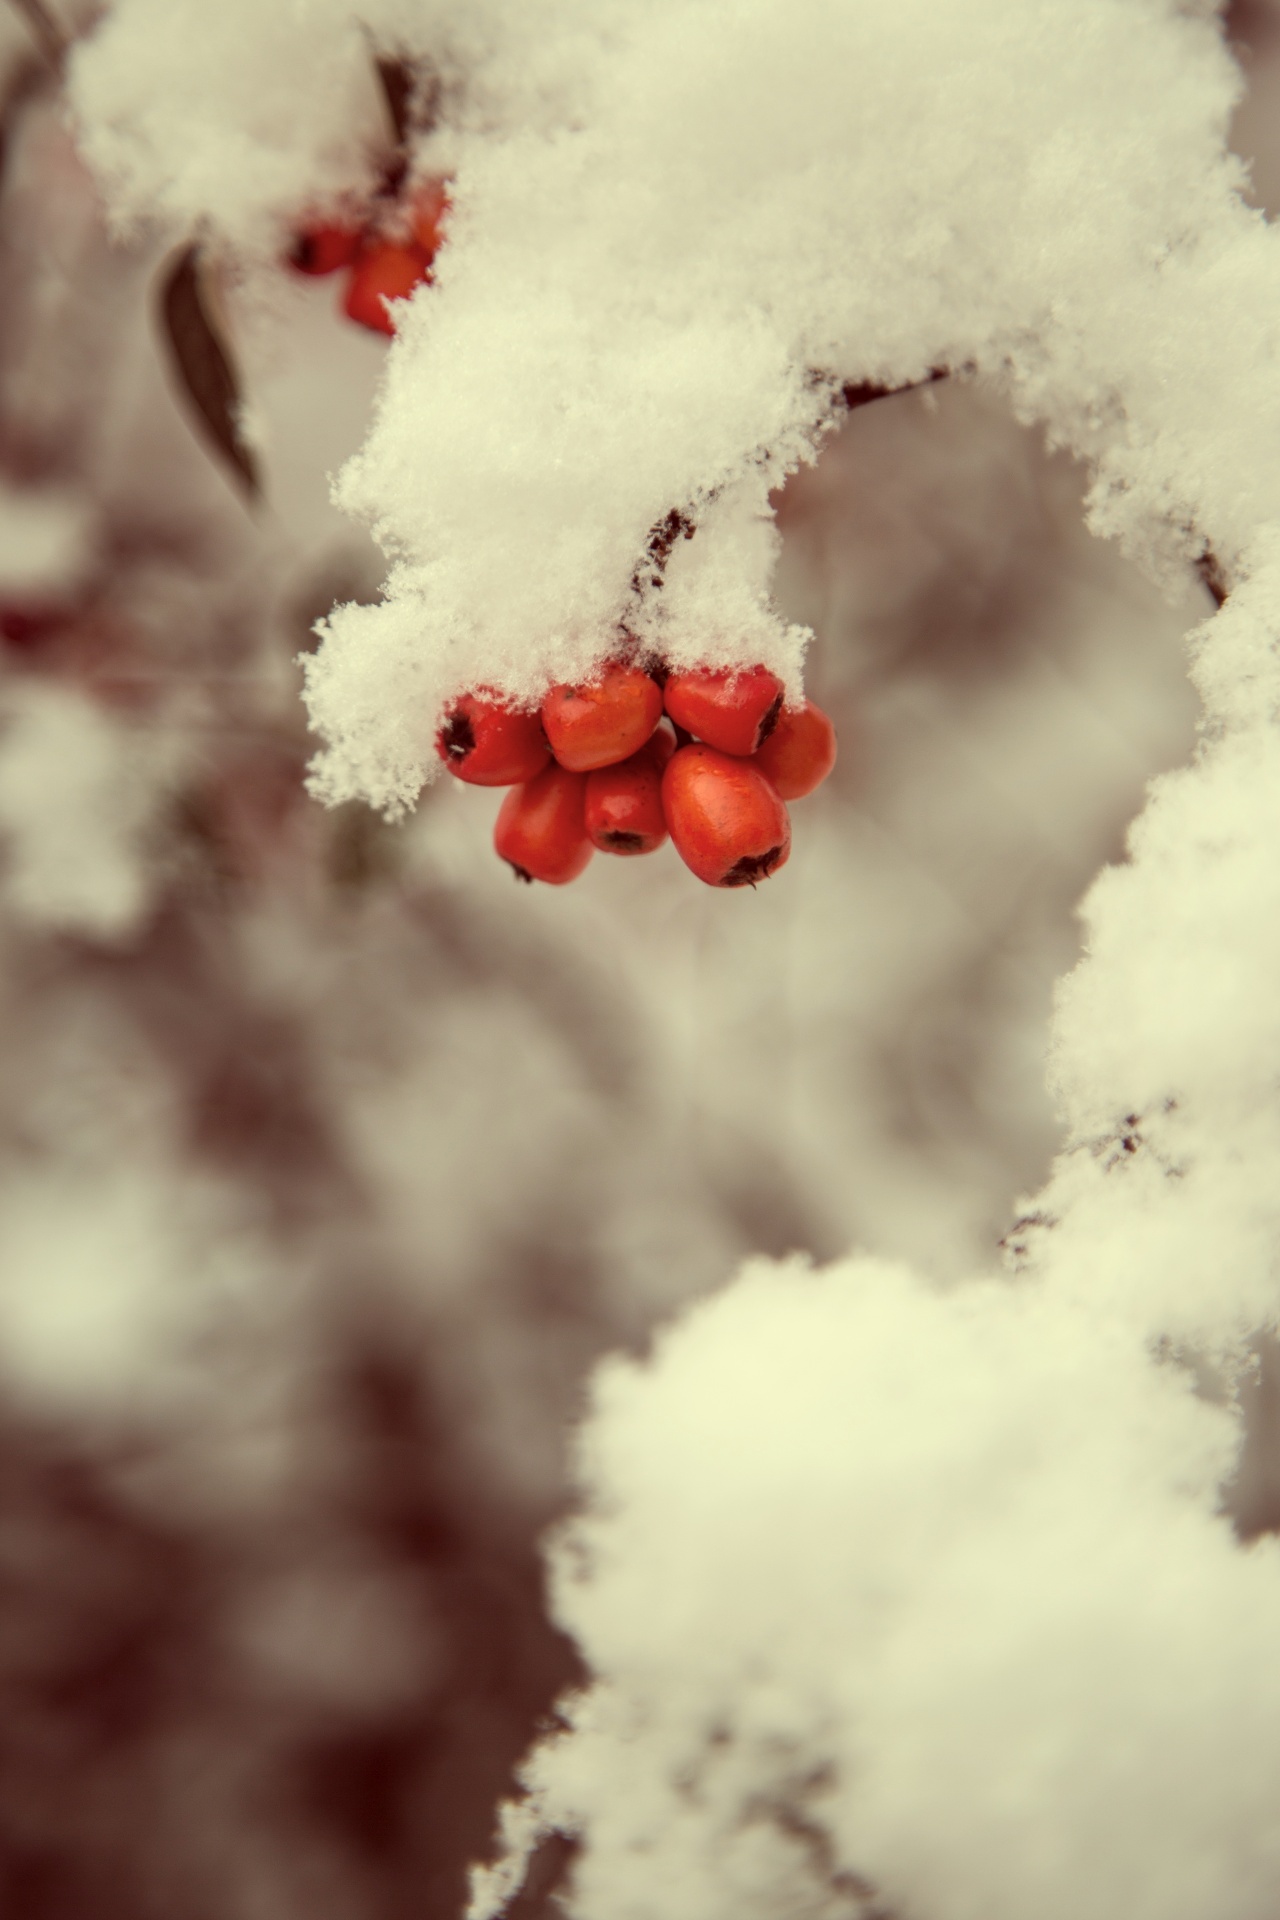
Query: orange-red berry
point(624, 802)
point(726, 821)
point(597, 726)
point(384, 271)
point(430, 210)
point(733, 709)
point(799, 753)
point(489, 744)
point(324, 248)
point(541, 829)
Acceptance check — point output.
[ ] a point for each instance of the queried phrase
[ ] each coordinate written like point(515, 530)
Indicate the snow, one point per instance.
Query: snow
point(187, 113)
point(112, 1278)
point(937, 1580)
point(45, 543)
point(79, 791)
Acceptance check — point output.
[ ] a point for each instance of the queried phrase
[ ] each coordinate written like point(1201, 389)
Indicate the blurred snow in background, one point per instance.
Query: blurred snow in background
point(330, 1161)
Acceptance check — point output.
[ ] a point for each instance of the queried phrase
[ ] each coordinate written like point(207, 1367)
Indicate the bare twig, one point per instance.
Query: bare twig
point(1209, 568)
point(860, 393)
point(410, 89)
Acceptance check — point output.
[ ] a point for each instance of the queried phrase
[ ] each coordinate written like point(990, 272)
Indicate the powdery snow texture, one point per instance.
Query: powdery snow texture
point(922, 1593)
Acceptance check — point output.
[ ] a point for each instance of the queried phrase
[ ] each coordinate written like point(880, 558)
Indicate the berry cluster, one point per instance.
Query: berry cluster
point(600, 766)
point(387, 259)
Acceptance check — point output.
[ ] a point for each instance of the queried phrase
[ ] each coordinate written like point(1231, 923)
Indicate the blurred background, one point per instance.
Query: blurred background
point(330, 1158)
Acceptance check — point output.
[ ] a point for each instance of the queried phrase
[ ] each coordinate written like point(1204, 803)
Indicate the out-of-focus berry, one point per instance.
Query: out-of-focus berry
point(324, 248)
point(385, 270)
point(430, 210)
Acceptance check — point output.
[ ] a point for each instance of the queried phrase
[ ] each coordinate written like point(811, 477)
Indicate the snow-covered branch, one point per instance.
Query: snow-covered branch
point(896, 1595)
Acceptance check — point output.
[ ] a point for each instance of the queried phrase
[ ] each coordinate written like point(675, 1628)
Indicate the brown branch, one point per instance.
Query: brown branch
point(861, 393)
point(662, 537)
point(1209, 568)
point(411, 91)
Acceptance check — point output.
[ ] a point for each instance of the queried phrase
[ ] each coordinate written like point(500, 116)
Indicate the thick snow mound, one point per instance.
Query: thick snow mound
point(892, 1590)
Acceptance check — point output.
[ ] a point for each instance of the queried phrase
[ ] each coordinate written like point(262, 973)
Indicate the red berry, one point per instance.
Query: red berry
point(799, 753)
point(323, 249)
point(734, 709)
point(29, 624)
point(599, 725)
point(384, 271)
point(540, 829)
point(726, 821)
point(624, 802)
point(489, 744)
point(430, 211)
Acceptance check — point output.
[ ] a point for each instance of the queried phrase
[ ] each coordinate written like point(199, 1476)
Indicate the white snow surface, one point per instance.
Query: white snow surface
point(890, 1592)
point(45, 543)
point(926, 1592)
point(79, 792)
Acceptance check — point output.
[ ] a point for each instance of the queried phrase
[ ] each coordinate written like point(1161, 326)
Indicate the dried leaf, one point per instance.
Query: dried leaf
point(203, 364)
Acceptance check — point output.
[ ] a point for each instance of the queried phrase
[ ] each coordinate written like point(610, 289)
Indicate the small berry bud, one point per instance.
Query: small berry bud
point(734, 709)
point(489, 744)
point(624, 802)
point(540, 830)
point(384, 272)
point(599, 725)
point(323, 249)
point(727, 823)
point(799, 753)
